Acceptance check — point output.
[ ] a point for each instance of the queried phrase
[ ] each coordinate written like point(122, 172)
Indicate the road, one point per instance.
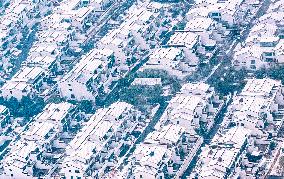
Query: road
point(229, 54)
point(221, 68)
point(117, 6)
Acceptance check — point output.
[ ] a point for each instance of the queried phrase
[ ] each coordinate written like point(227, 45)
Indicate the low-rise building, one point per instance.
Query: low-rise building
point(94, 71)
point(25, 157)
point(258, 102)
point(188, 42)
point(25, 82)
point(147, 82)
point(196, 104)
point(264, 46)
point(218, 159)
point(221, 11)
point(163, 154)
point(103, 141)
point(169, 60)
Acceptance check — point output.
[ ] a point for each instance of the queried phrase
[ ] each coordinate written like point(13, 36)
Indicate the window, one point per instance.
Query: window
point(77, 171)
point(70, 171)
point(141, 176)
point(215, 14)
point(268, 53)
point(72, 96)
point(253, 62)
point(70, 89)
point(177, 122)
point(79, 178)
point(269, 59)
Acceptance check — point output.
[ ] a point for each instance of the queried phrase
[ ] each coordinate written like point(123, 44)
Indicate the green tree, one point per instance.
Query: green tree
point(12, 104)
point(272, 145)
point(85, 106)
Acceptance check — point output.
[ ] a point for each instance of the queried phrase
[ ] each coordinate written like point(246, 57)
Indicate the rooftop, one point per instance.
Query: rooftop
point(169, 134)
point(187, 39)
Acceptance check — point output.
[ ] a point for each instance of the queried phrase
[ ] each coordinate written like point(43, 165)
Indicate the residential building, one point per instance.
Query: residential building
point(27, 152)
point(169, 60)
point(205, 28)
point(219, 158)
point(26, 82)
point(94, 71)
point(165, 153)
point(220, 11)
point(196, 104)
point(17, 21)
point(147, 82)
point(258, 102)
point(188, 42)
point(103, 141)
point(263, 47)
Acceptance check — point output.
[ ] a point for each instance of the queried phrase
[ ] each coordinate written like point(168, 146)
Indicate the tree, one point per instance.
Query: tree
point(86, 106)
point(13, 104)
point(272, 145)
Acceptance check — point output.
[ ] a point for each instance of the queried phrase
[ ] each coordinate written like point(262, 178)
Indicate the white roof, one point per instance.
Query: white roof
point(216, 160)
point(42, 61)
point(249, 51)
point(3, 108)
point(19, 152)
point(191, 87)
point(182, 107)
point(90, 138)
point(169, 134)
point(187, 39)
point(54, 112)
point(27, 74)
point(260, 87)
point(147, 81)
point(85, 69)
point(164, 54)
point(150, 155)
point(235, 136)
point(11, 85)
point(199, 24)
